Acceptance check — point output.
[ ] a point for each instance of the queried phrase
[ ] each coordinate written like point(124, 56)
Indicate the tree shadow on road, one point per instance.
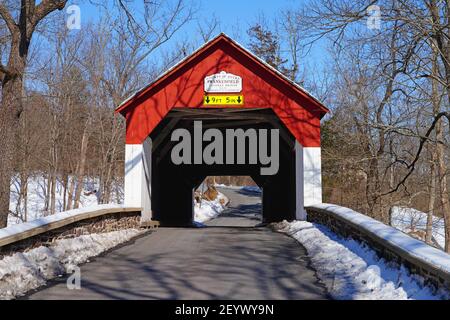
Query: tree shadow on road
point(249, 192)
point(258, 264)
point(248, 211)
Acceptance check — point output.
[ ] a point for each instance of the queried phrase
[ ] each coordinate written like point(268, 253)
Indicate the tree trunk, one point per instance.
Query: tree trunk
point(23, 195)
point(65, 184)
point(373, 189)
point(53, 194)
point(81, 167)
point(70, 193)
point(431, 201)
point(25, 201)
point(442, 172)
point(47, 192)
point(10, 111)
point(440, 151)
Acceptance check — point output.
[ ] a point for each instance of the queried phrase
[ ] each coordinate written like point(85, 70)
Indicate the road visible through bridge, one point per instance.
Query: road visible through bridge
point(229, 259)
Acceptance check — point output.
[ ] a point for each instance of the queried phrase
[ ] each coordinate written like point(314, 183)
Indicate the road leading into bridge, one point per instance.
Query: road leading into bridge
point(230, 259)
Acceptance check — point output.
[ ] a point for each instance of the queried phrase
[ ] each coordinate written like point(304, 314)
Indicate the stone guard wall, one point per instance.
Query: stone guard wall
point(432, 274)
point(101, 224)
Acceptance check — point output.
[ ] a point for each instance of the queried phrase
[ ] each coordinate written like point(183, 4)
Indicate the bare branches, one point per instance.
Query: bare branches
point(208, 28)
point(9, 20)
point(332, 18)
point(45, 8)
point(4, 70)
point(388, 96)
point(423, 140)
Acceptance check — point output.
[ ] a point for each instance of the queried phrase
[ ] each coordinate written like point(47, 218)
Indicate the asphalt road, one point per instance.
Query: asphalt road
point(230, 259)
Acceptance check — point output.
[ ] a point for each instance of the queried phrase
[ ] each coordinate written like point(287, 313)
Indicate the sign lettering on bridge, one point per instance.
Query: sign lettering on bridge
point(210, 100)
point(223, 82)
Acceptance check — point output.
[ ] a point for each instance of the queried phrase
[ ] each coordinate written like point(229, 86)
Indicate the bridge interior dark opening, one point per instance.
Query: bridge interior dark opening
point(173, 185)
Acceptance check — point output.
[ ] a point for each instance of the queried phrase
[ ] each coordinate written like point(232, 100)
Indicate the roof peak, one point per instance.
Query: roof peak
point(217, 38)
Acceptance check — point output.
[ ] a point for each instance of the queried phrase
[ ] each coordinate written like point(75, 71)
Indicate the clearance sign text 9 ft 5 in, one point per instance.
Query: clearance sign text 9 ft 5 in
point(214, 100)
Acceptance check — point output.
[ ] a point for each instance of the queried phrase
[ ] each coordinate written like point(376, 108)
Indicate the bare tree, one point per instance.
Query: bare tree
point(414, 32)
point(291, 31)
point(208, 27)
point(266, 45)
point(21, 30)
point(118, 68)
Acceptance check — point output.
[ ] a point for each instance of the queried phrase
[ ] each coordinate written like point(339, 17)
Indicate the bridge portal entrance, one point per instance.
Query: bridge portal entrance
point(221, 111)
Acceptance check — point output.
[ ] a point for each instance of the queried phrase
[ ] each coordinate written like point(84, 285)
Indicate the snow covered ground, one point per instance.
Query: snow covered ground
point(36, 197)
point(208, 210)
point(353, 271)
point(22, 272)
point(410, 220)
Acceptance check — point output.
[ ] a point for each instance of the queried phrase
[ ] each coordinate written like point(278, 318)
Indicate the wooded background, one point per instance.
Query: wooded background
point(385, 143)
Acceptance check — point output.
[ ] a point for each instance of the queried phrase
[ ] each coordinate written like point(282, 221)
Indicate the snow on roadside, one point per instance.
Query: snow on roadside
point(29, 270)
point(224, 186)
point(353, 271)
point(208, 210)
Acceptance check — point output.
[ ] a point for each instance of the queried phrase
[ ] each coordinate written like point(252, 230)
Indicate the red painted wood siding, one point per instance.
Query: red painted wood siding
point(262, 88)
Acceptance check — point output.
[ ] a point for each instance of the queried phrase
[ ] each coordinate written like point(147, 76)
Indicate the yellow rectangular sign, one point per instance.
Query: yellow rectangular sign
point(210, 100)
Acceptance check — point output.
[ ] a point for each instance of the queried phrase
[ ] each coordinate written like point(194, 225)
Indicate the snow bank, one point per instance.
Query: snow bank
point(350, 270)
point(400, 241)
point(208, 210)
point(409, 219)
point(22, 272)
point(221, 185)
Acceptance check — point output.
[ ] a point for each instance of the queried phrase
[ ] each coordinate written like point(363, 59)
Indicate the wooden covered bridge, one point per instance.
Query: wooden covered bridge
point(225, 87)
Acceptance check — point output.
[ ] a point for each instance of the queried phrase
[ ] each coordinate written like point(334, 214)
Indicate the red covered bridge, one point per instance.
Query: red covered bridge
point(244, 93)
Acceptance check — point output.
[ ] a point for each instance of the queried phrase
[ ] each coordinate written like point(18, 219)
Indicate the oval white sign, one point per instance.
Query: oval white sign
point(223, 82)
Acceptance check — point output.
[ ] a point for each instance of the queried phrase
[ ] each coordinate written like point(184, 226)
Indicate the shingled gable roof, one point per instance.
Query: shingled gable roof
point(130, 102)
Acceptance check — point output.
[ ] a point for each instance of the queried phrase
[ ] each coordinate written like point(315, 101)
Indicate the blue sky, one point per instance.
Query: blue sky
point(235, 17)
point(243, 12)
point(232, 14)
